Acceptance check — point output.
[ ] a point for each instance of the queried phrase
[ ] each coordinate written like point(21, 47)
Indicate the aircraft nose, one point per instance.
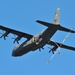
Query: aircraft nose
point(16, 51)
point(14, 54)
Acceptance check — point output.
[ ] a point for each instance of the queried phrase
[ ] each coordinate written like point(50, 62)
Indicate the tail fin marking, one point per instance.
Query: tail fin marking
point(56, 17)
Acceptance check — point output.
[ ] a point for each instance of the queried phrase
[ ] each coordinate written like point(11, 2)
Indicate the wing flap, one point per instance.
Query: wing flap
point(61, 45)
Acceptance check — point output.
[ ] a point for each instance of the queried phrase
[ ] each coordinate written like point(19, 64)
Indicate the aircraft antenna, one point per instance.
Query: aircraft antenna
point(58, 47)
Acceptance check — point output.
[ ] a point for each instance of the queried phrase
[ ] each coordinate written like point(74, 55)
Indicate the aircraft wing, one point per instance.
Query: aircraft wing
point(18, 33)
point(56, 44)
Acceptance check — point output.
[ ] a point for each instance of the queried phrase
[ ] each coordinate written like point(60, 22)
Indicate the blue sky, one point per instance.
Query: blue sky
point(22, 15)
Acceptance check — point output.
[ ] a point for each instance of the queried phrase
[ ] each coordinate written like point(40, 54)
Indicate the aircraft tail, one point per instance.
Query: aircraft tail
point(56, 25)
point(57, 17)
point(55, 21)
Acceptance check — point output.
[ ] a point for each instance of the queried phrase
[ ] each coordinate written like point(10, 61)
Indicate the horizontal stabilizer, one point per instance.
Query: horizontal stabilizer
point(55, 26)
point(48, 24)
point(43, 23)
point(66, 29)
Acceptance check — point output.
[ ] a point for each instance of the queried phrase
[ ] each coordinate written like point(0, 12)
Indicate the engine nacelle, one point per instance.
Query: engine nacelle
point(5, 35)
point(17, 39)
point(53, 49)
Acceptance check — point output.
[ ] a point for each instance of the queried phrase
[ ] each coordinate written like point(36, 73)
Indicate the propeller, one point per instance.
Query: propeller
point(4, 34)
point(41, 48)
point(16, 39)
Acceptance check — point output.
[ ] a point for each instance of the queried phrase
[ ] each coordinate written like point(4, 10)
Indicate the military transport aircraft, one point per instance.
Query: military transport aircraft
point(38, 41)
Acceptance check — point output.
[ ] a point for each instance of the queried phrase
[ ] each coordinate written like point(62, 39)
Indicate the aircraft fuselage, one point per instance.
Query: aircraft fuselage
point(38, 41)
point(34, 43)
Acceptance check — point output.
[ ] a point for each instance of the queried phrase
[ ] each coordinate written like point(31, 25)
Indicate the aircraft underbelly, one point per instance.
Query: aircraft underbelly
point(49, 33)
point(26, 49)
point(29, 46)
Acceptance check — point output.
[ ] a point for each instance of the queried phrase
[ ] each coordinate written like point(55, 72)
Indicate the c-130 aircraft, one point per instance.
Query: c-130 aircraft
point(38, 41)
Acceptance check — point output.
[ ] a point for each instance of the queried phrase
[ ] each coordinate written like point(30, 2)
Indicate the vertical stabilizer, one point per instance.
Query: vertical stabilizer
point(56, 17)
